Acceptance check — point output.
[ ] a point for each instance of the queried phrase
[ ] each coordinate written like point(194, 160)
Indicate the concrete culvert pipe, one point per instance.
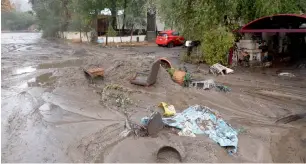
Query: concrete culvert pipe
point(168, 154)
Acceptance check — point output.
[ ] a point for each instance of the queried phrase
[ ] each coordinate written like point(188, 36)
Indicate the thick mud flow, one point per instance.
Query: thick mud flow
point(51, 113)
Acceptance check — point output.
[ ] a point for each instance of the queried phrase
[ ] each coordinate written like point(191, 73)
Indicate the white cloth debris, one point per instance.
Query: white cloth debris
point(220, 69)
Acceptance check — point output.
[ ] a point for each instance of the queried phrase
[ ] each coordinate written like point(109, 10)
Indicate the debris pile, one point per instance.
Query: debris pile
point(203, 120)
point(169, 110)
point(199, 120)
point(220, 69)
point(209, 84)
point(147, 79)
point(116, 95)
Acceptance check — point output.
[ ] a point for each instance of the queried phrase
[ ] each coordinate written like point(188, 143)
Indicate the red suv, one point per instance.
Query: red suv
point(169, 38)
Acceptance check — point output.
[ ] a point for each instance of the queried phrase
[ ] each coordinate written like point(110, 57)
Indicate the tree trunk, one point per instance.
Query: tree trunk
point(86, 33)
point(66, 14)
point(94, 33)
point(114, 14)
point(132, 33)
point(106, 39)
point(80, 35)
point(124, 15)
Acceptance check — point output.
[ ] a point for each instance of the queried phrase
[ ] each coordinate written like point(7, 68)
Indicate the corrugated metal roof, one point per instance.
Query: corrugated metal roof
point(249, 29)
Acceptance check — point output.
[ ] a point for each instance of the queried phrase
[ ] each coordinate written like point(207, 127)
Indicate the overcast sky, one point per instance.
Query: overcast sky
point(22, 5)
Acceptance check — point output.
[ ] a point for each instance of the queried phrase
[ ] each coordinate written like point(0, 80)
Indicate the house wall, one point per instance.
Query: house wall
point(75, 36)
point(118, 39)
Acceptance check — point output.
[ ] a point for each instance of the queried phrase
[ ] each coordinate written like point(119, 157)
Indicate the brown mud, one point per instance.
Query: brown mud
point(51, 113)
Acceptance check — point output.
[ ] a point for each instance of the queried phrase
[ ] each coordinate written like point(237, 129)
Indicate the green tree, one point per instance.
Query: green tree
point(16, 20)
point(57, 15)
point(197, 19)
point(111, 32)
point(53, 15)
point(135, 15)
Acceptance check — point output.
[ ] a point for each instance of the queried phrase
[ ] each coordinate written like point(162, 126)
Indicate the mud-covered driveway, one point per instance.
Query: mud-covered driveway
point(50, 113)
point(48, 107)
point(41, 114)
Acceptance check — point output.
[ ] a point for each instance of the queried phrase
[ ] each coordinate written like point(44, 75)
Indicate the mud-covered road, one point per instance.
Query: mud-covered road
point(50, 113)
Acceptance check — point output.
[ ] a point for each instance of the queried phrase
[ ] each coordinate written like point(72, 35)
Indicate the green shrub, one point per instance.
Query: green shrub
point(216, 44)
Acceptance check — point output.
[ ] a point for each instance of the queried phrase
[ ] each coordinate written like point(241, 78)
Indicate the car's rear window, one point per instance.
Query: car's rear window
point(162, 34)
point(175, 33)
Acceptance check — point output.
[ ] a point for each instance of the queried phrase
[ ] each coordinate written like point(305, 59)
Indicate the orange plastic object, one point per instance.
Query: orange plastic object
point(94, 72)
point(178, 76)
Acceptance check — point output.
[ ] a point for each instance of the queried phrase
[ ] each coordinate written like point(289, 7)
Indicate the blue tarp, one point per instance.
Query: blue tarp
point(204, 120)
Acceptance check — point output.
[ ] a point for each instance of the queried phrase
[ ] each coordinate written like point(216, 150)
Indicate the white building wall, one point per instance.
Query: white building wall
point(76, 36)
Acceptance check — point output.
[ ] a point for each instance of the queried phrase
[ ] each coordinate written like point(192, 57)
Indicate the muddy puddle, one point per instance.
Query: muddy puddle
point(43, 80)
point(68, 63)
point(64, 64)
point(24, 70)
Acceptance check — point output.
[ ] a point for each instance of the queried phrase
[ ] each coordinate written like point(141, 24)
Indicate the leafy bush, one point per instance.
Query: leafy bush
point(216, 44)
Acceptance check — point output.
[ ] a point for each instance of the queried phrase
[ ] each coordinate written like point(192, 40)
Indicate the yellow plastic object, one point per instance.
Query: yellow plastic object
point(169, 110)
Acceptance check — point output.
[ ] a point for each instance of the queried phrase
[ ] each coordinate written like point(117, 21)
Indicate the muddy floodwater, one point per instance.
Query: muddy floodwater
point(51, 113)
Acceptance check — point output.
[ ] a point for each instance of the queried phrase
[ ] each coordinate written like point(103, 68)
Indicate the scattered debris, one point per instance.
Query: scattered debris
point(187, 130)
point(116, 95)
point(286, 74)
point(222, 88)
point(153, 123)
point(133, 128)
point(206, 84)
point(191, 44)
point(220, 69)
point(209, 84)
point(204, 120)
point(178, 76)
point(93, 73)
point(187, 79)
point(171, 71)
point(126, 133)
point(165, 63)
point(145, 79)
point(169, 110)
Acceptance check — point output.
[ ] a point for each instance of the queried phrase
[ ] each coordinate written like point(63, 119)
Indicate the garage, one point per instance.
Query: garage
point(272, 41)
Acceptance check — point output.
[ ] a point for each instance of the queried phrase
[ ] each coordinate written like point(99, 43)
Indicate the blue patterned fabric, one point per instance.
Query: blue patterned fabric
point(204, 120)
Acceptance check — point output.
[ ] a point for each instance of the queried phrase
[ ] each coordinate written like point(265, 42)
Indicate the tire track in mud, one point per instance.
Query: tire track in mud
point(93, 147)
point(18, 123)
point(236, 105)
point(289, 147)
point(278, 94)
